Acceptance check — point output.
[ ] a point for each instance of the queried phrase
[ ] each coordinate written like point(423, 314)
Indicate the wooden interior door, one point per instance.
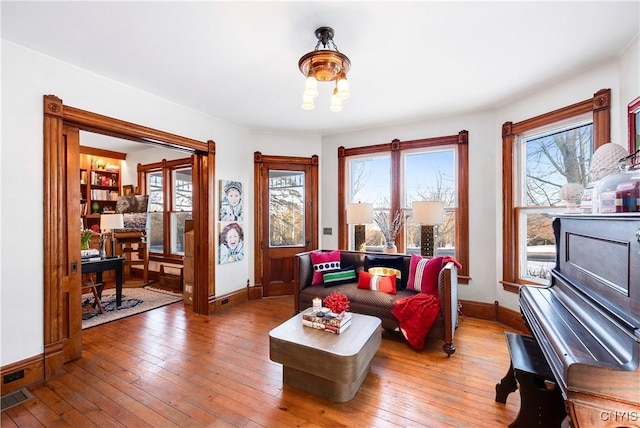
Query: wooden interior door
point(286, 218)
point(70, 226)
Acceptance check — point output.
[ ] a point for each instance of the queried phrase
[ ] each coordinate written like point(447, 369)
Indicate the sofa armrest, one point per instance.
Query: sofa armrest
point(448, 290)
point(302, 275)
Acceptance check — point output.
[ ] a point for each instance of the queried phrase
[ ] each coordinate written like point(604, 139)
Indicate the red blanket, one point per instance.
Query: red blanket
point(416, 314)
point(447, 259)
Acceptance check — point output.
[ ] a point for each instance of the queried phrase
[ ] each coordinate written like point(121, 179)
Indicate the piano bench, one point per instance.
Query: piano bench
point(541, 401)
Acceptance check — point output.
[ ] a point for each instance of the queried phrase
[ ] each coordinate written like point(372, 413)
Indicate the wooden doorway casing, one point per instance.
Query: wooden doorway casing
point(61, 202)
point(267, 260)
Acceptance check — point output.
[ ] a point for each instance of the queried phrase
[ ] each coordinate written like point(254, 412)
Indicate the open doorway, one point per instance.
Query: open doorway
point(62, 124)
point(116, 174)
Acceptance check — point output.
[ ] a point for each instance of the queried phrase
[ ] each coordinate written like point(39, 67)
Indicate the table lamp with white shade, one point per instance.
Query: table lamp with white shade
point(359, 214)
point(428, 214)
point(109, 222)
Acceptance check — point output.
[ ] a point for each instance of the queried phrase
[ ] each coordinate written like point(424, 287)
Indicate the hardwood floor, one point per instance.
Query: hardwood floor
point(173, 368)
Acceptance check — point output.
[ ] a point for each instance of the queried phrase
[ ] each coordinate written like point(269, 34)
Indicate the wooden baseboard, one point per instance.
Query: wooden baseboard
point(483, 311)
point(29, 371)
point(227, 301)
point(511, 318)
point(494, 312)
point(255, 293)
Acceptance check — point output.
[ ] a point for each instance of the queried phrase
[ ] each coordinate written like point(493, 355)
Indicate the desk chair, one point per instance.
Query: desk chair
point(93, 287)
point(133, 237)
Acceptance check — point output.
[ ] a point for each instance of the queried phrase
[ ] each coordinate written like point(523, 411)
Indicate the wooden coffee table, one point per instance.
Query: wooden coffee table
point(332, 366)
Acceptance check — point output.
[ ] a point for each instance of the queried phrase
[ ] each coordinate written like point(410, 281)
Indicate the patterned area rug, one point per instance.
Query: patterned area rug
point(134, 301)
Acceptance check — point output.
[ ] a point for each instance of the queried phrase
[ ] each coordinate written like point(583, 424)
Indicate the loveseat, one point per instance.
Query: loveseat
point(378, 303)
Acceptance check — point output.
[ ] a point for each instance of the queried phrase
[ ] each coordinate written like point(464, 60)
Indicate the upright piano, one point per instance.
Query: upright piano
point(587, 320)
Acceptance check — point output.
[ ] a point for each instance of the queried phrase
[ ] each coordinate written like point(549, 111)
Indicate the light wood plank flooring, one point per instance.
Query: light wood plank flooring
point(172, 368)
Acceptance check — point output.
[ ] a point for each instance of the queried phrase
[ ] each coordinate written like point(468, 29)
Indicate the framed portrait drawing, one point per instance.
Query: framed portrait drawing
point(634, 125)
point(127, 190)
point(231, 201)
point(231, 242)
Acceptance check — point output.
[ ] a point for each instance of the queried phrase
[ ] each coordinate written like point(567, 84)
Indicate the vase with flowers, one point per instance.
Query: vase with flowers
point(389, 228)
point(85, 238)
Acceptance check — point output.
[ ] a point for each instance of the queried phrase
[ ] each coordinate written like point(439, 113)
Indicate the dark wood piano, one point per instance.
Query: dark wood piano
point(587, 321)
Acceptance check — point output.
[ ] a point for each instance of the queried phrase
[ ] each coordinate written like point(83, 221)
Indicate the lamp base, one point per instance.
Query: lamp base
point(359, 237)
point(427, 245)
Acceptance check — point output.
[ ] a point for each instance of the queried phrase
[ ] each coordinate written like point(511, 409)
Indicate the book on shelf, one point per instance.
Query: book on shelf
point(328, 318)
point(326, 327)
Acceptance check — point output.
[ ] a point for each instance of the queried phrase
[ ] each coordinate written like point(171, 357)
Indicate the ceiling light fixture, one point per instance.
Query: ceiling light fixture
point(325, 65)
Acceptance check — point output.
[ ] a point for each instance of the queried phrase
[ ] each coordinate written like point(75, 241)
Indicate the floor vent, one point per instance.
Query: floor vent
point(15, 398)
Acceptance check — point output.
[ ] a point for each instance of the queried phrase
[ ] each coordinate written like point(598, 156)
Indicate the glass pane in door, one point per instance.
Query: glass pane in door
point(286, 208)
point(156, 206)
point(182, 206)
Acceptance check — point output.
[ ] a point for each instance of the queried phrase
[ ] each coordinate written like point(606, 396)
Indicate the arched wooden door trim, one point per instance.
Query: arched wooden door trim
point(61, 264)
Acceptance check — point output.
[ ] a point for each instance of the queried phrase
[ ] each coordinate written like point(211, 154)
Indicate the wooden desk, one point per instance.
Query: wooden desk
point(108, 263)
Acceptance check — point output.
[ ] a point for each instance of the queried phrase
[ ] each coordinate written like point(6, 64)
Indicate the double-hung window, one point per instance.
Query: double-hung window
point(545, 165)
point(169, 185)
point(552, 167)
point(431, 175)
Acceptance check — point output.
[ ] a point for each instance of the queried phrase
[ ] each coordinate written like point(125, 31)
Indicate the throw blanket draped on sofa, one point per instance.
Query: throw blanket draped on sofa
point(365, 299)
point(416, 314)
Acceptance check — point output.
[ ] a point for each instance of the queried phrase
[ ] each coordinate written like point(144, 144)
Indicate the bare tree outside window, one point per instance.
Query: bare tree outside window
point(428, 175)
point(370, 181)
point(553, 160)
point(431, 176)
point(286, 208)
point(550, 161)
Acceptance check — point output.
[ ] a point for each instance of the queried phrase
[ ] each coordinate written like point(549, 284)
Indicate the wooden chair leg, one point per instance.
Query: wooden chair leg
point(97, 299)
point(96, 296)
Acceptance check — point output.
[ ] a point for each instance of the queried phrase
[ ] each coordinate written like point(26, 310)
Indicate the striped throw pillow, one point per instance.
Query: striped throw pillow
point(386, 284)
point(337, 277)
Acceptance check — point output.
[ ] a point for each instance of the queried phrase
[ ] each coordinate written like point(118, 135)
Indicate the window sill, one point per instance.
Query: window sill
point(511, 287)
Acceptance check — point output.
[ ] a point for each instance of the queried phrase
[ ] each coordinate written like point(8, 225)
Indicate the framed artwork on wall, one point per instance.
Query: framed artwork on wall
point(127, 190)
point(231, 242)
point(634, 125)
point(231, 201)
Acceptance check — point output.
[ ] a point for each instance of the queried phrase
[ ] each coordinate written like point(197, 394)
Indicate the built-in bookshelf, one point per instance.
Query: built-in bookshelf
point(100, 183)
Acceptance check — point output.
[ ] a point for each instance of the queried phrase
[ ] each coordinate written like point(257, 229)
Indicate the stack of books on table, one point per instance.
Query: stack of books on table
point(326, 320)
point(89, 255)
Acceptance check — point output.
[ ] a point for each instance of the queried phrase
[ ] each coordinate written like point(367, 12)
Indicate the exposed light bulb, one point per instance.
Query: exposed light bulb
point(311, 86)
point(307, 103)
point(343, 87)
point(336, 102)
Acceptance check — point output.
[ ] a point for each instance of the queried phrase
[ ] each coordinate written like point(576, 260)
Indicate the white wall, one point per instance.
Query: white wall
point(485, 160)
point(26, 77)
point(629, 80)
point(238, 166)
point(483, 163)
point(149, 154)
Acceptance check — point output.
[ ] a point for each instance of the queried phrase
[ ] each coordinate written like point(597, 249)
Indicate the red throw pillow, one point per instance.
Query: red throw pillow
point(423, 274)
point(386, 284)
point(324, 261)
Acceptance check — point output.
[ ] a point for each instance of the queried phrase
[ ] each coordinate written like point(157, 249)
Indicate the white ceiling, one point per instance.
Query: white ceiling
point(238, 61)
